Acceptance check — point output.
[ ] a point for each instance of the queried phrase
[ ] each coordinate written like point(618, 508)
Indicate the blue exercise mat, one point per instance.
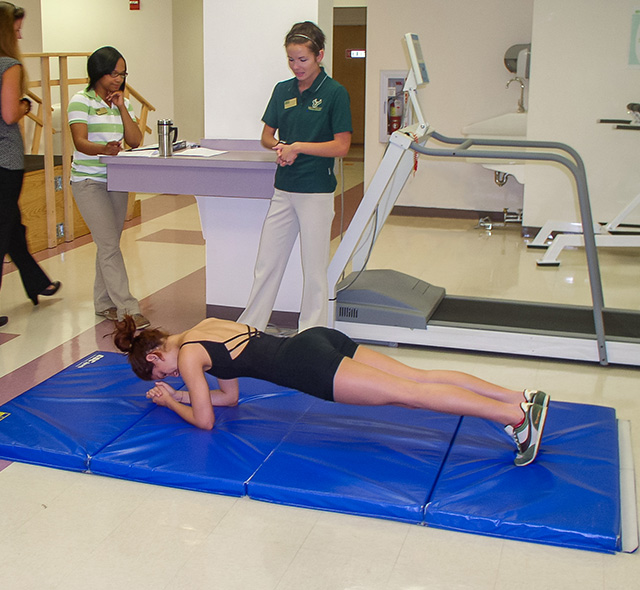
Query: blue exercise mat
point(570, 496)
point(289, 448)
point(68, 418)
point(370, 461)
point(163, 449)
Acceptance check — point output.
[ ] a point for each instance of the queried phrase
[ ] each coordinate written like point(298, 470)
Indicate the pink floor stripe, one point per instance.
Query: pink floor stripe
point(176, 307)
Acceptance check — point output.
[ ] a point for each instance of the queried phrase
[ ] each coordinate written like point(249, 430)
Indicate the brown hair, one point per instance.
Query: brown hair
point(306, 33)
point(9, 14)
point(138, 347)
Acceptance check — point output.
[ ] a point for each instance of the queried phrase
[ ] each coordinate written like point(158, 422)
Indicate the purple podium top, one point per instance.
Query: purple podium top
point(245, 170)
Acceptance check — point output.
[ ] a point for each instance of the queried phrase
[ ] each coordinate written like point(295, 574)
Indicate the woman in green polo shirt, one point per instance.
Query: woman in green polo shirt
point(311, 116)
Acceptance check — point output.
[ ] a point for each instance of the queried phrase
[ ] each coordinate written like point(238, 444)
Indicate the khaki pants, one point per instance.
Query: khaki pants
point(105, 212)
point(290, 214)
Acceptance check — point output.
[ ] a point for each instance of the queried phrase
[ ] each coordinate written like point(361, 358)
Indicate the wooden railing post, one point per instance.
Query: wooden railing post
point(69, 233)
point(37, 119)
point(49, 187)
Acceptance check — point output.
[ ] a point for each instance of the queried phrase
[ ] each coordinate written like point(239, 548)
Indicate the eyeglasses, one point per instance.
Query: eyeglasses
point(115, 74)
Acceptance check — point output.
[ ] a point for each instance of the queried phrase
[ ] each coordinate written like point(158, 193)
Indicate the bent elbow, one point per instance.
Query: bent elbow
point(343, 148)
point(205, 424)
point(9, 118)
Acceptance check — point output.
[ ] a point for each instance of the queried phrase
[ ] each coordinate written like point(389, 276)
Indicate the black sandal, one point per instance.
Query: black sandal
point(52, 289)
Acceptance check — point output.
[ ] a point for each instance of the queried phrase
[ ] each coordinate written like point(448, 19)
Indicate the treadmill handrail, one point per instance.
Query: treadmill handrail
point(578, 172)
point(401, 142)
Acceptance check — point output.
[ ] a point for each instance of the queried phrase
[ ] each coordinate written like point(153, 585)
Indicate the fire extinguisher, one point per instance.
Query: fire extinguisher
point(395, 114)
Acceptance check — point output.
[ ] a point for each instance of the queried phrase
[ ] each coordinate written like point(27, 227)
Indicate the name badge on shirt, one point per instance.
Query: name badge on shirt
point(292, 102)
point(102, 111)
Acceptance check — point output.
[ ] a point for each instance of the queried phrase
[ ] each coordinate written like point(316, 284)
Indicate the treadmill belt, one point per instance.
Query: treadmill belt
point(536, 318)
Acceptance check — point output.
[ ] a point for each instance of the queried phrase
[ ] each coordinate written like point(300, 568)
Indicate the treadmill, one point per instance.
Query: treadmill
point(385, 306)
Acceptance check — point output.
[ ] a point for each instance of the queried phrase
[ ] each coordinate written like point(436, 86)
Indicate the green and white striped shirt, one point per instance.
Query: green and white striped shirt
point(104, 124)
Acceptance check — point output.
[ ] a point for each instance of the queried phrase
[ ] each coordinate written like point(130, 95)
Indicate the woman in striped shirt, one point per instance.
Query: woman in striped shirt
point(101, 119)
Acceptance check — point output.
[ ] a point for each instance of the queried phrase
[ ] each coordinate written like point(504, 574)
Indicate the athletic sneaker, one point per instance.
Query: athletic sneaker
point(536, 397)
point(529, 434)
point(141, 321)
point(111, 314)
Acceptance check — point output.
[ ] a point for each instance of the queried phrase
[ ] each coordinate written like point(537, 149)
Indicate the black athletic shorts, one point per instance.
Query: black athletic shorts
point(309, 361)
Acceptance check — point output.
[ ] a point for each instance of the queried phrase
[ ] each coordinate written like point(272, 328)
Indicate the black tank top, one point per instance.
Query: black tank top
point(306, 362)
point(251, 362)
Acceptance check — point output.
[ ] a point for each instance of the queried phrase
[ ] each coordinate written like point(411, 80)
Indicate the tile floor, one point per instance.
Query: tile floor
point(61, 530)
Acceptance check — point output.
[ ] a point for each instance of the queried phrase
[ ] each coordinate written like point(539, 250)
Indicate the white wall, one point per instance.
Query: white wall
point(144, 37)
point(188, 71)
point(244, 57)
point(31, 27)
point(349, 3)
point(464, 44)
point(579, 74)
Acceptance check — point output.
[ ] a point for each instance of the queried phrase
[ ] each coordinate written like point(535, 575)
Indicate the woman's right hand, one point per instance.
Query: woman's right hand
point(112, 148)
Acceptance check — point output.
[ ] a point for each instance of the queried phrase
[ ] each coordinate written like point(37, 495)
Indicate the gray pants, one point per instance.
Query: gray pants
point(105, 212)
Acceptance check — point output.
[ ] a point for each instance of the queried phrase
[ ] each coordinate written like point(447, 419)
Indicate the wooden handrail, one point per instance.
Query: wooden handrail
point(37, 84)
point(34, 97)
point(146, 107)
point(141, 99)
point(46, 54)
point(38, 121)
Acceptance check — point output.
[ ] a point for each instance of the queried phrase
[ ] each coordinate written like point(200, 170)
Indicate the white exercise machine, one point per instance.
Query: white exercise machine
point(615, 234)
point(389, 307)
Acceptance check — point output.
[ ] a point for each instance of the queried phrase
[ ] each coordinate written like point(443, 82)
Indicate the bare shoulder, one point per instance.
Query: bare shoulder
point(12, 75)
point(214, 330)
point(192, 357)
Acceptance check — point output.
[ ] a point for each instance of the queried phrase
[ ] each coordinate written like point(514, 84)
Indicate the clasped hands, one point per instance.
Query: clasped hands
point(286, 154)
point(162, 394)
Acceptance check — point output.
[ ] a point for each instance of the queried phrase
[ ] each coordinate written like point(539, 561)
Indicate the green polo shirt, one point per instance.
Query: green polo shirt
point(316, 116)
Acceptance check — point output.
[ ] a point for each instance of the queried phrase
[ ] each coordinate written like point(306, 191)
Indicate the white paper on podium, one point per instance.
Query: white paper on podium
point(199, 152)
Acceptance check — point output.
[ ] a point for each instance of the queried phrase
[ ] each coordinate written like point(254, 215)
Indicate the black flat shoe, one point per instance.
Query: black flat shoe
point(52, 289)
point(3, 320)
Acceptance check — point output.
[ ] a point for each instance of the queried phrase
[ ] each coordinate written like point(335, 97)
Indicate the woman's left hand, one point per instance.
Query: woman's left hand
point(116, 98)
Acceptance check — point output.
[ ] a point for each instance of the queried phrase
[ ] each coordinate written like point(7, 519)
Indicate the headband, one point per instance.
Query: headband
point(303, 36)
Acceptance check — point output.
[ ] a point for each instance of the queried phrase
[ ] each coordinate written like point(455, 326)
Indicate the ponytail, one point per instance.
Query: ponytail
point(138, 347)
